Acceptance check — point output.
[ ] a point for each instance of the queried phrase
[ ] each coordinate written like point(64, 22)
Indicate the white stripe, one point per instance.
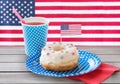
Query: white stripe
point(77, 4)
point(84, 19)
point(94, 43)
point(11, 43)
point(70, 36)
point(85, 36)
point(10, 27)
point(77, 12)
point(78, 43)
point(58, 27)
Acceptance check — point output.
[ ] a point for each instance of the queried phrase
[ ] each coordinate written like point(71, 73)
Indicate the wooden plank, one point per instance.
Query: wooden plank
point(28, 77)
point(96, 50)
point(22, 58)
point(21, 66)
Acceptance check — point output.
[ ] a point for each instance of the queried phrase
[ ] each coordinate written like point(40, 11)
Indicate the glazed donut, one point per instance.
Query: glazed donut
point(59, 56)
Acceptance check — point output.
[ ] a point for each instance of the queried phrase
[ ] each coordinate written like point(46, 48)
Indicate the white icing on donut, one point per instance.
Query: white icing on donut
point(58, 53)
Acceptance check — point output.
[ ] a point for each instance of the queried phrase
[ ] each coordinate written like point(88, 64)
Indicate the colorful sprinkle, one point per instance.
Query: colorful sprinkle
point(61, 57)
point(48, 53)
point(73, 53)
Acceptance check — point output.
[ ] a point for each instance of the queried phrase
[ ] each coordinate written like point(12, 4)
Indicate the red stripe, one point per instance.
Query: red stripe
point(11, 39)
point(91, 31)
point(76, 0)
point(79, 15)
point(66, 39)
point(88, 23)
point(77, 7)
point(10, 31)
point(85, 39)
point(58, 31)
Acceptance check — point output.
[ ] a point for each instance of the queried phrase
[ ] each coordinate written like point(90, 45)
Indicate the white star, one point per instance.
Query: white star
point(13, 16)
point(10, 4)
point(1, 21)
point(13, 21)
point(10, 19)
point(1, 17)
point(1, 11)
point(1, 6)
point(28, 14)
point(31, 12)
point(4, 19)
point(16, 4)
point(7, 21)
point(22, 9)
point(4, 4)
point(4, 9)
point(10, 9)
point(22, 4)
point(7, 1)
point(19, 7)
point(25, 12)
point(7, 7)
point(31, 2)
point(28, 9)
point(4, 14)
point(10, 14)
point(19, 2)
point(7, 16)
point(25, 2)
point(25, 7)
point(19, 11)
point(7, 11)
point(13, 1)
point(16, 19)
point(28, 4)
point(1, 2)
point(31, 7)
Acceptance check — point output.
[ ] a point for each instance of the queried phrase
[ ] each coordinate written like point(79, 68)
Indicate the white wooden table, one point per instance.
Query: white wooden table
point(13, 70)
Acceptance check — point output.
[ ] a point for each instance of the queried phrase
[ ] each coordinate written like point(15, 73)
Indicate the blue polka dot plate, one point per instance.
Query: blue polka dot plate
point(87, 62)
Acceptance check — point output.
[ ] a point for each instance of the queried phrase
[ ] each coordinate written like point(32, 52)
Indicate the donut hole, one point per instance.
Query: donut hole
point(58, 48)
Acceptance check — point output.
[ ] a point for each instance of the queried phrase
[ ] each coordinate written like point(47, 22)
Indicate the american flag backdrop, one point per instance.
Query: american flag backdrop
point(100, 20)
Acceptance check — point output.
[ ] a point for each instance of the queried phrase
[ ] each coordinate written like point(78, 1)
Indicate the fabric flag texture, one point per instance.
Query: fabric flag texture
point(100, 20)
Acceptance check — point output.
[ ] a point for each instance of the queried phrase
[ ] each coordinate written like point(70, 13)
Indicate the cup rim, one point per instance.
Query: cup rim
point(47, 21)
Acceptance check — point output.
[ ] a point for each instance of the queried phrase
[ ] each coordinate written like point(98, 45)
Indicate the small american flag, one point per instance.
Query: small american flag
point(72, 29)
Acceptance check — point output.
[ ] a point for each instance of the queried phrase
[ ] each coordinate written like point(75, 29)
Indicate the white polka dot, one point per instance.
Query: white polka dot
point(1, 16)
point(28, 4)
point(19, 7)
point(31, 7)
point(28, 9)
point(7, 6)
point(16, 4)
point(10, 14)
point(31, 12)
point(22, 9)
point(1, 11)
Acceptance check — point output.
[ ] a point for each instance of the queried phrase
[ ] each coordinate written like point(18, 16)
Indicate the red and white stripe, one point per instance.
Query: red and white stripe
point(100, 20)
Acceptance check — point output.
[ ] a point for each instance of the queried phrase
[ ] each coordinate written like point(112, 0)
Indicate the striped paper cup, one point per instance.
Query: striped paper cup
point(35, 35)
